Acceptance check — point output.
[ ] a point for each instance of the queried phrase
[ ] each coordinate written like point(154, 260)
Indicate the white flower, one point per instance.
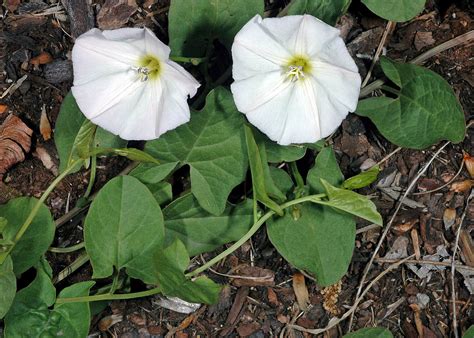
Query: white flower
point(294, 78)
point(125, 83)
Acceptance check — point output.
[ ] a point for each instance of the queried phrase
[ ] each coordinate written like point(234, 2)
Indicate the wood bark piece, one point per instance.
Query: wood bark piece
point(15, 141)
point(115, 13)
point(80, 14)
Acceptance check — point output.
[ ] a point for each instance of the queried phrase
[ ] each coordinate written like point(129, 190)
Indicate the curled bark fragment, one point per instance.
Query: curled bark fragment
point(15, 141)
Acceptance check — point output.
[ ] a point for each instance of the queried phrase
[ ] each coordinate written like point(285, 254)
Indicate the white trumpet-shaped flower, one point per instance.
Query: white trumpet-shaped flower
point(125, 83)
point(294, 78)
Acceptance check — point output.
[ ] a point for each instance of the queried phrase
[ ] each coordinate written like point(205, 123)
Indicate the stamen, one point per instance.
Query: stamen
point(143, 72)
point(294, 72)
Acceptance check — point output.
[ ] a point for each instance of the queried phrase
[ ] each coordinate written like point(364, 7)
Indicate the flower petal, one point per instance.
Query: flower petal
point(178, 78)
point(256, 50)
point(336, 54)
point(312, 36)
point(98, 95)
point(96, 42)
point(155, 47)
point(340, 84)
point(330, 109)
point(290, 117)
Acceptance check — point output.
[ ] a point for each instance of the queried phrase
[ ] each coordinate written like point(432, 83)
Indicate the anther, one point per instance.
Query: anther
point(295, 72)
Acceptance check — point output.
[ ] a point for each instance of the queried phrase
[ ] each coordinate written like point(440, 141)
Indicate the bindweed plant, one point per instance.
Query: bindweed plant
point(293, 84)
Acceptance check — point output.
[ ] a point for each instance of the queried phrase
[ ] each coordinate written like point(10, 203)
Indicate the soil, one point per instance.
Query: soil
point(400, 300)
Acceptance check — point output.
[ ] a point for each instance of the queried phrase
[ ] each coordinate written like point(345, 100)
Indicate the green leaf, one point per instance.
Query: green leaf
point(29, 315)
point(277, 153)
point(469, 333)
point(425, 112)
point(152, 173)
point(370, 332)
point(73, 318)
point(36, 239)
point(396, 10)
point(327, 10)
point(84, 141)
point(325, 166)
point(105, 139)
point(195, 24)
point(361, 180)
point(130, 153)
point(320, 241)
point(7, 285)
point(162, 191)
point(170, 266)
point(350, 202)
point(68, 125)
point(262, 182)
point(124, 229)
point(213, 145)
point(201, 231)
point(282, 180)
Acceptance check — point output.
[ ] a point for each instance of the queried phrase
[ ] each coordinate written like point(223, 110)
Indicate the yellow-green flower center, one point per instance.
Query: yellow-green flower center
point(149, 67)
point(298, 67)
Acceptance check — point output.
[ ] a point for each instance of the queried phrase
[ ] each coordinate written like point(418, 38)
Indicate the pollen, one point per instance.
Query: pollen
point(298, 67)
point(149, 67)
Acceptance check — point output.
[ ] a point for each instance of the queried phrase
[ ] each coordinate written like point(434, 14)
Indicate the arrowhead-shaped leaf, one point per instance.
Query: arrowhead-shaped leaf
point(124, 228)
point(213, 145)
point(320, 241)
point(201, 231)
point(396, 10)
point(194, 24)
point(327, 10)
point(425, 112)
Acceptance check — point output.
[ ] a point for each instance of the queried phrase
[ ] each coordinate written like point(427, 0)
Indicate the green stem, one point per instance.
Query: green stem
point(213, 261)
point(108, 296)
point(250, 233)
point(296, 174)
point(37, 206)
point(115, 282)
point(92, 178)
point(184, 59)
point(390, 90)
point(69, 249)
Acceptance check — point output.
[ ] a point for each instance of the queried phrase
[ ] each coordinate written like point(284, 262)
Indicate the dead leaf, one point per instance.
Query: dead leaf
point(416, 243)
point(177, 305)
point(462, 186)
point(400, 229)
point(3, 108)
point(423, 39)
point(272, 297)
point(42, 154)
point(41, 59)
point(301, 291)
point(467, 247)
point(449, 217)
point(469, 162)
point(15, 141)
point(245, 330)
point(418, 322)
point(254, 276)
point(45, 126)
point(107, 322)
point(12, 5)
point(398, 249)
point(115, 13)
